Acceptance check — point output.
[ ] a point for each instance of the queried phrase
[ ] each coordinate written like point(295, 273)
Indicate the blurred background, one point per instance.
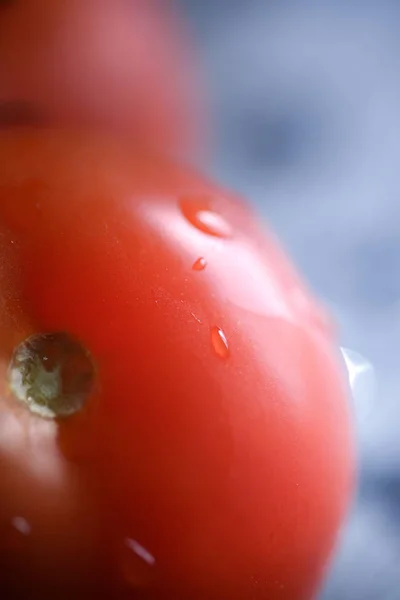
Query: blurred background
point(306, 102)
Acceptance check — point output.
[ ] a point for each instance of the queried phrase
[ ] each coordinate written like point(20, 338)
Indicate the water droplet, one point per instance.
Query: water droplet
point(137, 564)
point(141, 551)
point(361, 376)
point(200, 264)
point(16, 538)
point(219, 342)
point(52, 373)
point(21, 525)
point(199, 213)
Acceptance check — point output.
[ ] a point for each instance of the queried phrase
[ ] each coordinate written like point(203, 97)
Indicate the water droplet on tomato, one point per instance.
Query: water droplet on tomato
point(141, 551)
point(137, 564)
point(16, 538)
point(362, 382)
point(200, 264)
point(21, 525)
point(52, 373)
point(200, 214)
point(219, 342)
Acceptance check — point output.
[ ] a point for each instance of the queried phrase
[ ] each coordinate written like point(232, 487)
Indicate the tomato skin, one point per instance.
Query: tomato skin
point(110, 64)
point(230, 463)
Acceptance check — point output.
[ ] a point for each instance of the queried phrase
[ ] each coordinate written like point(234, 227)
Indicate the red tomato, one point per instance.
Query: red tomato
point(117, 64)
point(213, 457)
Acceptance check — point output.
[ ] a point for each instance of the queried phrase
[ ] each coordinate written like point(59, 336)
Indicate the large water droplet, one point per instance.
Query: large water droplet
point(219, 342)
point(200, 264)
point(52, 373)
point(199, 213)
point(362, 381)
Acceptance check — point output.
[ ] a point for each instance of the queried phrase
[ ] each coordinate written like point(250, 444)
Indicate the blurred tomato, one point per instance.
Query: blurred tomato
point(213, 457)
point(126, 65)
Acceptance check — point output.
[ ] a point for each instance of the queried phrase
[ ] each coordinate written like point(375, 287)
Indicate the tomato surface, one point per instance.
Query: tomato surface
point(123, 65)
point(213, 457)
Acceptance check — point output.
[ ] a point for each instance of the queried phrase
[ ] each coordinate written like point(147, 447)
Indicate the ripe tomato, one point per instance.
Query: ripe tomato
point(113, 64)
point(213, 457)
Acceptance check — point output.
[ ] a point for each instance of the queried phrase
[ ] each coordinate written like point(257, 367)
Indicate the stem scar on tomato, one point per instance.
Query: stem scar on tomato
point(52, 373)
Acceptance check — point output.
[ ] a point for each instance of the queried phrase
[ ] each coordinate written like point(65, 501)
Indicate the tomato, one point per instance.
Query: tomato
point(123, 65)
point(213, 455)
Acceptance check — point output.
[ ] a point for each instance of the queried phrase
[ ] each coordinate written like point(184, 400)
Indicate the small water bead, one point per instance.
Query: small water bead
point(16, 539)
point(137, 564)
point(52, 373)
point(362, 382)
point(201, 216)
point(200, 264)
point(219, 342)
point(21, 525)
point(141, 551)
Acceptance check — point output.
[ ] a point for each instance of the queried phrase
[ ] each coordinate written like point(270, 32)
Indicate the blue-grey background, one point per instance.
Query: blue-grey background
point(306, 101)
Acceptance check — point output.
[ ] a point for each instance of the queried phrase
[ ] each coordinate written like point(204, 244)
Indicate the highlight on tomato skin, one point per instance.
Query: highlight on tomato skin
point(211, 456)
point(127, 67)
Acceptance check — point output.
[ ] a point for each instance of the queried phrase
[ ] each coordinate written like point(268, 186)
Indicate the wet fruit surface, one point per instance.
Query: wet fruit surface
point(214, 457)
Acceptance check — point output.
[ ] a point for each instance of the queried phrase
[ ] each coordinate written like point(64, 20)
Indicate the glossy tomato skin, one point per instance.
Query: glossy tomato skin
point(126, 66)
point(215, 457)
